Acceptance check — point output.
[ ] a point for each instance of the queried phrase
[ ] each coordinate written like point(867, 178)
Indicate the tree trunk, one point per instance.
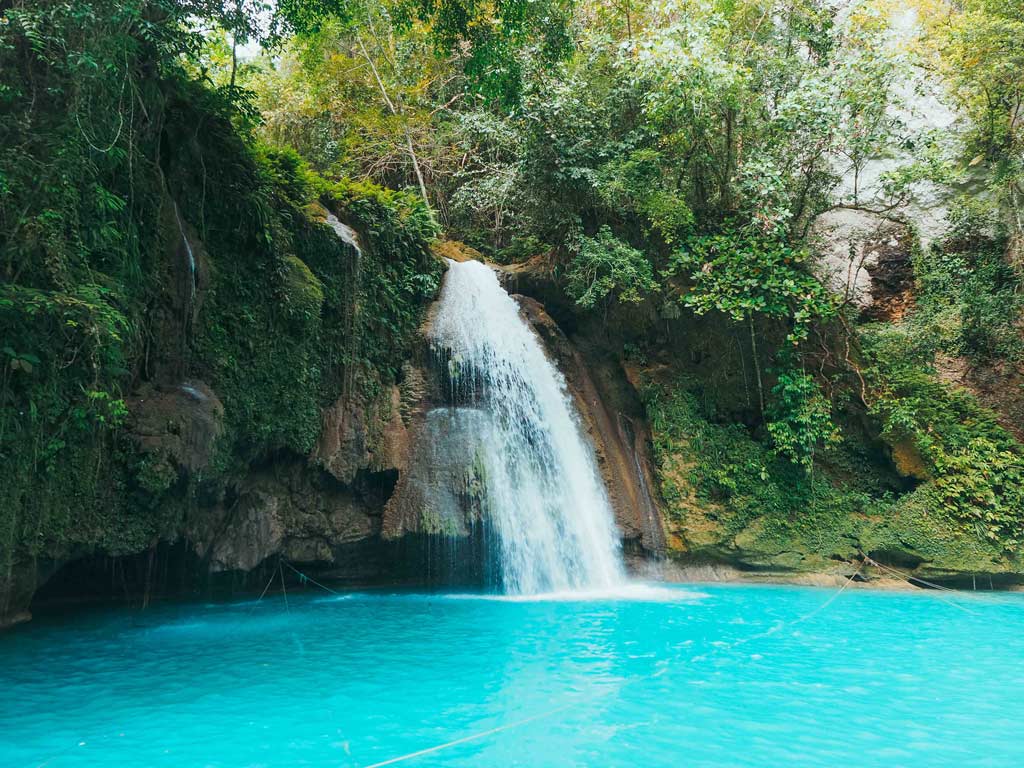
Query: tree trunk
point(395, 111)
point(757, 363)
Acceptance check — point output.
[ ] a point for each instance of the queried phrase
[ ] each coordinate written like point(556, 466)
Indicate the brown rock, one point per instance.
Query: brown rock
point(908, 460)
point(621, 439)
point(456, 251)
point(255, 531)
point(290, 510)
point(179, 423)
point(998, 385)
point(358, 435)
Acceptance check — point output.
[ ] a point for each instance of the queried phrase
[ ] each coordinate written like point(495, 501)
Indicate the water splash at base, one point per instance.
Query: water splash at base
point(543, 496)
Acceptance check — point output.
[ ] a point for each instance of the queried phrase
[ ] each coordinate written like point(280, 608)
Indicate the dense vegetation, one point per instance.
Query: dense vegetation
point(671, 163)
point(150, 239)
point(666, 161)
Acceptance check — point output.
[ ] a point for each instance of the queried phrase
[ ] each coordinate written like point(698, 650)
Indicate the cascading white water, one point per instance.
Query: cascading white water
point(544, 497)
point(355, 273)
point(189, 253)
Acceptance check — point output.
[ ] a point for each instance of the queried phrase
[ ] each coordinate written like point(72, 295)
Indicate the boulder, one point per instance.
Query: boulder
point(177, 425)
point(866, 259)
point(360, 434)
point(287, 510)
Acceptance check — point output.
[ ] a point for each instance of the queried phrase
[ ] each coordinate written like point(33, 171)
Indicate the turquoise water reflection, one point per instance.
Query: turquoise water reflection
point(875, 679)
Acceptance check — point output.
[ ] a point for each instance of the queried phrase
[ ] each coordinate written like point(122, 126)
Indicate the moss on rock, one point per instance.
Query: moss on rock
point(730, 498)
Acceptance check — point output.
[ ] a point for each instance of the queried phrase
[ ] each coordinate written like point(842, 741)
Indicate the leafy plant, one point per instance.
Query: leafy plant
point(973, 464)
point(800, 417)
point(741, 274)
point(604, 266)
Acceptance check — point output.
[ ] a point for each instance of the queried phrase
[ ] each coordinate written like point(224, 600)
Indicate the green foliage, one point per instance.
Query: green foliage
point(968, 305)
point(673, 129)
point(975, 466)
point(113, 153)
point(719, 472)
point(323, 97)
point(978, 45)
point(604, 266)
point(288, 173)
point(742, 274)
point(800, 417)
point(727, 493)
point(633, 131)
point(493, 41)
point(636, 183)
point(398, 273)
point(303, 292)
point(299, 316)
point(969, 296)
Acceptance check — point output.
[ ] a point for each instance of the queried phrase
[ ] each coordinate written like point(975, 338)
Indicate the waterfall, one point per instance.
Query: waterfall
point(344, 231)
point(543, 497)
point(348, 236)
point(191, 257)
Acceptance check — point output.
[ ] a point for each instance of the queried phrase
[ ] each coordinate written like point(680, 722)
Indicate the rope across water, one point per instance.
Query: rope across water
point(570, 705)
point(720, 648)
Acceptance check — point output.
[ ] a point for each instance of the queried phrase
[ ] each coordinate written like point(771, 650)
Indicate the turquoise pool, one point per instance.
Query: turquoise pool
point(688, 676)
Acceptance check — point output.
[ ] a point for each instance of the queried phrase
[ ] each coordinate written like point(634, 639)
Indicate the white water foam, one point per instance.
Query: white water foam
point(544, 496)
point(631, 591)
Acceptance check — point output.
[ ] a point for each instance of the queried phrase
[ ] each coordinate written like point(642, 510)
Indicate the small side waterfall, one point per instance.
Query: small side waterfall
point(187, 283)
point(543, 496)
point(191, 256)
point(348, 236)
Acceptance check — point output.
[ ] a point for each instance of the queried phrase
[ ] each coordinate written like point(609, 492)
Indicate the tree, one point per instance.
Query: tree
point(489, 40)
point(978, 46)
point(603, 266)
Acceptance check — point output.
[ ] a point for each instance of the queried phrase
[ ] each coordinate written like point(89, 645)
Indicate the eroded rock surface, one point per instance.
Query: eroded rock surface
point(866, 259)
point(612, 416)
point(177, 424)
point(362, 434)
point(442, 489)
point(286, 510)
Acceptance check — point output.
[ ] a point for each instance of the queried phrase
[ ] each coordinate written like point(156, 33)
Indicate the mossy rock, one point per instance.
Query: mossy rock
point(908, 460)
point(456, 251)
point(923, 534)
point(304, 293)
point(730, 499)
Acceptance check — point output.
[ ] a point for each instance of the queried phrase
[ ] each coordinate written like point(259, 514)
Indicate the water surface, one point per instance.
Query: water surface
point(732, 677)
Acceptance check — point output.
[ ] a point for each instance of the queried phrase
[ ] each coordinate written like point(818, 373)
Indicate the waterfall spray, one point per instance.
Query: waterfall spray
point(544, 497)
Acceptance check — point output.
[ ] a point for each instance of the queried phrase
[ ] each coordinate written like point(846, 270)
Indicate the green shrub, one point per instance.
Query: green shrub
point(738, 482)
point(800, 417)
point(743, 273)
point(975, 465)
point(968, 293)
point(604, 266)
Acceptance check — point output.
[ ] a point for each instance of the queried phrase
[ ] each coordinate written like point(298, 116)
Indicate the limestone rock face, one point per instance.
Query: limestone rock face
point(998, 385)
point(865, 258)
point(456, 251)
point(177, 424)
point(908, 460)
point(357, 435)
point(23, 578)
point(441, 491)
point(255, 531)
point(284, 511)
